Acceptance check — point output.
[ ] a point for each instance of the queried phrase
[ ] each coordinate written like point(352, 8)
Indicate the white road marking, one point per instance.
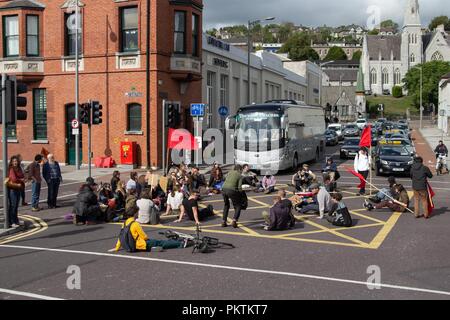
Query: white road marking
point(279, 273)
point(28, 294)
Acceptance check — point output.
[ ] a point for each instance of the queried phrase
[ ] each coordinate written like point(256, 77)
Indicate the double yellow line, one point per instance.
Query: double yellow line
point(38, 224)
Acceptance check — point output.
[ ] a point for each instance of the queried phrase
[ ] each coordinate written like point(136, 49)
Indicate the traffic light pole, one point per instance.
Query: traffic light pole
point(164, 136)
point(89, 139)
point(77, 136)
point(5, 151)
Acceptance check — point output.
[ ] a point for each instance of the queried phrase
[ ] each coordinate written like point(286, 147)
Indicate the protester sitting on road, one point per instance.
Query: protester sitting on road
point(174, 202)
point(420, 175)
point(145, 205)
point(268, 184)
point(132, 183)
point(303, 179)
point(395, 205)
point(120, 195)
point(328, 184)
point(115, 180)
point(249, 178)
point(190, 208)
point(86, 209)
point(141, 184)
point(105, 193)
point(320, 204)
point(216, 181)
point(232, 190)
point(280, 217)
point(197, 180)
point(339, 215)
point(130, 203)
point(330, 168)
point(143, 242)
point(385, 193)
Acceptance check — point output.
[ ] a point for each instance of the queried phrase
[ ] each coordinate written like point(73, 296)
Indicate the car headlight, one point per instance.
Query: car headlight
point(411, 163)
point(343, 150)
point(384, 162)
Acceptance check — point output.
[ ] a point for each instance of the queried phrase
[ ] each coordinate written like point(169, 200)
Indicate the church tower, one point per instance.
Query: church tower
point(412, 45)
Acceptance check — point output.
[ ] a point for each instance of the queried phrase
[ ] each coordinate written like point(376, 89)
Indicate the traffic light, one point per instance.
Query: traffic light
point(171, 115)
point(96, 112)
point(14, 100)
point(85, 113)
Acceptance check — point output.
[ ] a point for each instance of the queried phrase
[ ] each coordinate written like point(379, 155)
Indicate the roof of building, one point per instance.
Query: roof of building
point(236, 40)
point(360, 81)
point(426, 39)
point(384, 45)
point(343, 100)
point(339, 64)
point(22, 4)
point(346, 75)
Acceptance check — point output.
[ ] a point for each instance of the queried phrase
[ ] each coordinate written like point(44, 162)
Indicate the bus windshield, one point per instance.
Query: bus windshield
point(258, 127)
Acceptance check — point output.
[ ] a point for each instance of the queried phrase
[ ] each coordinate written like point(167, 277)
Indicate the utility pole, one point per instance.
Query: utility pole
point(421, 98)
point(77, 136)
point(5, 151)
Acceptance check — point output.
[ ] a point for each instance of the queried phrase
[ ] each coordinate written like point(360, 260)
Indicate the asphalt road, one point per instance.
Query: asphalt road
point(312, 261)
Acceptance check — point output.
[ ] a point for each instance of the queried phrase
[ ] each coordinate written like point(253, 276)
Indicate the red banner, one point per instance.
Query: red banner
point(431, 195)
point(366, 137)
point(361, 178)
point(181, 139)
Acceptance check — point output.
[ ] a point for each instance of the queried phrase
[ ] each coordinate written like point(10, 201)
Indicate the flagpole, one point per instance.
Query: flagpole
point(370, 170)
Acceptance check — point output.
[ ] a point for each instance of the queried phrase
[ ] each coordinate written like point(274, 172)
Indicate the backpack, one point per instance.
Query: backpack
point(154, 216)
point(126, 238)
point(346, 218)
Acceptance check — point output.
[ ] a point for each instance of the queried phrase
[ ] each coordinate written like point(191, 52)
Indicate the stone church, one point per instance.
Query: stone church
point(387, 58)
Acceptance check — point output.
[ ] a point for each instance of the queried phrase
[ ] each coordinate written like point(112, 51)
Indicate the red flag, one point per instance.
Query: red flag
point(431, 195)
point(181, 139)
point(361, 178)
point(366, 137)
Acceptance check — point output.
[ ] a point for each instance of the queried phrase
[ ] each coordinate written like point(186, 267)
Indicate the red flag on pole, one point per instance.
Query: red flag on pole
point(361, 178)
point(431, 195)
point(366, 137)
point(181, 139)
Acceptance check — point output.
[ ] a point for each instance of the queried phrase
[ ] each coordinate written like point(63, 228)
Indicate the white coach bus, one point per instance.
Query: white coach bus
point(277, 135)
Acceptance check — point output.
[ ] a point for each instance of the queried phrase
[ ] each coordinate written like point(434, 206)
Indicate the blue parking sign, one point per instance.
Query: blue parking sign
point(197, 109)
point(223, 111)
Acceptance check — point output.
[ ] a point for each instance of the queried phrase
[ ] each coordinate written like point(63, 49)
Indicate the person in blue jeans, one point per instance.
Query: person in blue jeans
point(34, 174)
point(15, 187)
point(52, 175)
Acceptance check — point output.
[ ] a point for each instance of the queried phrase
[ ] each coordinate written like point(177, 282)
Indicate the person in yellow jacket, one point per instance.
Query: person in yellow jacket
point(143, 243)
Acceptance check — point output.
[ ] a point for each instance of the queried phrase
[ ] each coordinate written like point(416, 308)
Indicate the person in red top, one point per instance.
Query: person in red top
point(16, 185)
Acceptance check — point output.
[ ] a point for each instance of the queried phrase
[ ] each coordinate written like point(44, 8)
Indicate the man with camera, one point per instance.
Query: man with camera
point(303, 179)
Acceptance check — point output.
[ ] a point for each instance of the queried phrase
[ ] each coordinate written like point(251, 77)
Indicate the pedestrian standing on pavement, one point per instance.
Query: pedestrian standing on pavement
point(34, 173)
point(52, 175)
point(22, 192)
point(115, 180)
point(420, 175)
point(232, 190)
point(15, 185)
point(362, 166)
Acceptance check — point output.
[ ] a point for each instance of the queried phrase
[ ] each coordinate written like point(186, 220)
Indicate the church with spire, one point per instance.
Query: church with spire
point(387, 58)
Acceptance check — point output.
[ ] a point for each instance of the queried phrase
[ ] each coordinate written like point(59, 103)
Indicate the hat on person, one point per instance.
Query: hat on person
point(90, 182)
point(314, 186)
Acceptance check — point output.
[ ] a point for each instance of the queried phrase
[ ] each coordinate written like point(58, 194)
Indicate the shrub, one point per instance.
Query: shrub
point(397, 92)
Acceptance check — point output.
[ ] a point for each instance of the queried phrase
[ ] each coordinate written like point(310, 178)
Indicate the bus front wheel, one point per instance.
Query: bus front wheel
point(295, 162)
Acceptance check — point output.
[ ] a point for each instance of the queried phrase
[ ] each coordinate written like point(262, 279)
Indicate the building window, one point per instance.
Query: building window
point(129, 29)
point(210, 90)
point(40, 114)
point(195, 35)
point(11, 131)
point(373, 76)
point(71, 30)
point(32, 35)
point(397, 77)
point(437, 56)
point(11, 36)
point(180, 32)
point(134, 123)
point(412, 58)
point(385, 76)
point(223, 90)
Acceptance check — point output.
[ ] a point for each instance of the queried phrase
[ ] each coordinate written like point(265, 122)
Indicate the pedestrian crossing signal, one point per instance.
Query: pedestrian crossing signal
point(85, 113)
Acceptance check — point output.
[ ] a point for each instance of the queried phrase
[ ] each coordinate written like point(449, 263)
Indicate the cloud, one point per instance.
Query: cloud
point(314, 12)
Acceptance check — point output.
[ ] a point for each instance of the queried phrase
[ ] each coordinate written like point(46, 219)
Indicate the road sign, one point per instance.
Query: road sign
point(197, 109)
point(76, 131)
point(442, 112)
point(223, 111)
point(75, 124)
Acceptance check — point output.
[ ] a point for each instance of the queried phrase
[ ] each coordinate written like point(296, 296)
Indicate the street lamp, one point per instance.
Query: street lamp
point(421, 97)
point(251, 24)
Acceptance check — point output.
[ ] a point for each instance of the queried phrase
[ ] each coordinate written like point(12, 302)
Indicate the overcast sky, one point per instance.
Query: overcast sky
point(218, 13)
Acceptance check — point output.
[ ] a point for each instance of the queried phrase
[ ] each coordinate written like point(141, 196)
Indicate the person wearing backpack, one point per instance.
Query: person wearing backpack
point(339, 215)
point(132, 238)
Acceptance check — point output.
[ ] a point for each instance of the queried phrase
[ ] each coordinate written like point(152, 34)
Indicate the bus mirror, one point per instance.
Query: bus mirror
point(230, 123)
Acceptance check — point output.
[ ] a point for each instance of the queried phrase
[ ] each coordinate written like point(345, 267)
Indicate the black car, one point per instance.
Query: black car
point(351, 130)
point(393, 159)
point(350, 148)
point(331, 138)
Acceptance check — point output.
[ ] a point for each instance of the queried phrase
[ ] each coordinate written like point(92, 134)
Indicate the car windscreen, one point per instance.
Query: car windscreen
point(353, 142)
point(394, 151)
point(256, 127)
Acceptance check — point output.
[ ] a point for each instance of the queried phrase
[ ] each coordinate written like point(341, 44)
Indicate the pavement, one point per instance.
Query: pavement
point(406, 257)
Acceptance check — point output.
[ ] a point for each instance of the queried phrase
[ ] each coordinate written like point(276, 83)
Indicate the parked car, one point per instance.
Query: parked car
point(337, 127)
point(361, 123)
point(331, 138)
point(351, 130)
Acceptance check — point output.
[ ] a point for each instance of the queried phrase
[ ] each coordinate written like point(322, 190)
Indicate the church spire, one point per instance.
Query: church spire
point(412, 14)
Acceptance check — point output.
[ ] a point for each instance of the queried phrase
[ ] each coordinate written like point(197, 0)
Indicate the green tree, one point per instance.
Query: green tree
point(211, 32)
point(301, 54)
point(357, 55)
point(336, 53)
point(297, 40)
point(374, 32)
point(438, 21)
point(432, 74)
point(389, 24)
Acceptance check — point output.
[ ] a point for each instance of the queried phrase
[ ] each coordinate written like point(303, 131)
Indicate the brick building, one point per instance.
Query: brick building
point(39, 47)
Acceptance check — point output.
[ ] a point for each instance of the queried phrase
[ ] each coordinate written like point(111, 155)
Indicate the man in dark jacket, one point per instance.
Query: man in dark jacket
point(52, 175)
point(232, 190)
point(420, 175)
point(86, 208)
point(280, 217)
point(441, 150)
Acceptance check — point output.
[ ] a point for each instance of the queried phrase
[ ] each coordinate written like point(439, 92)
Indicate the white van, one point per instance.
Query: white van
point(361, 123)
point(338, 128)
